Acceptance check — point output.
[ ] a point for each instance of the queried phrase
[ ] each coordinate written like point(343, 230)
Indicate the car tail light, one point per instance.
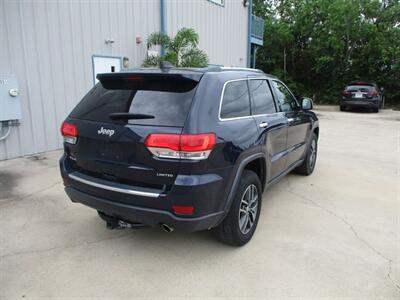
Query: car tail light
point(374, 93)
point(345, 93)
point(183, 210)
point(181, 146)
point(69, 132)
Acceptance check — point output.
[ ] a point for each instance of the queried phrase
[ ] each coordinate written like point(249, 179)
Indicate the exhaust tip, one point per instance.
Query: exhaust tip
point(166, 228)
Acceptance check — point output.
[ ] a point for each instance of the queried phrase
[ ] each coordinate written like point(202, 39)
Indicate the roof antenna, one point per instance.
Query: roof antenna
point(166, 65)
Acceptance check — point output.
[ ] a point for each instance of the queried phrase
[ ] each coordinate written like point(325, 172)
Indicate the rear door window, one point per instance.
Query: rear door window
point(262, 99)
point(169, 107)
point(236, 100)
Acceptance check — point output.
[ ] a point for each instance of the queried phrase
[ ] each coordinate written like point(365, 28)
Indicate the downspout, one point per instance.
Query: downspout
point(163, 27)
point(250, 12)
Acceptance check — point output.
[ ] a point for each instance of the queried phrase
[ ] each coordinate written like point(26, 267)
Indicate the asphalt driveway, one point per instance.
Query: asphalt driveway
point(334, 234)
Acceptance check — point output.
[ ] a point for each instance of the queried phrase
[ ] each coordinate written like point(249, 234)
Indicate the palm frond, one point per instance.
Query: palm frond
point(181, 51)
point(151, 61)
point(171, 57)
point(158, 39)
point(185, 37)
point(194, 57)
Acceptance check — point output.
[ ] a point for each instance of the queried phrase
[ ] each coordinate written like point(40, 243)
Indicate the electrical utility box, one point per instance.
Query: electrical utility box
point(10, 105)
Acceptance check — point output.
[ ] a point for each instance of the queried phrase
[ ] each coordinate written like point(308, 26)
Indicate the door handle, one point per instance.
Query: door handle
point(263, 125)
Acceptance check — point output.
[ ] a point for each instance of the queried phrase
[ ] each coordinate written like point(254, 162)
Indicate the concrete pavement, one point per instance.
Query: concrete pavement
point(334, 234)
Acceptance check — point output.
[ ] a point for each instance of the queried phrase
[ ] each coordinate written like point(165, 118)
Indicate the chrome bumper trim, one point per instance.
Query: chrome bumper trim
point(114, 189)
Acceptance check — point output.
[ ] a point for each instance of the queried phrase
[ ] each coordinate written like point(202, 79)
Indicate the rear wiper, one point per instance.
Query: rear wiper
point(129, 116)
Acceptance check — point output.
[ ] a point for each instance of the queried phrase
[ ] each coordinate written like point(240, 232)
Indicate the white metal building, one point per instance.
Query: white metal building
point(50, 51)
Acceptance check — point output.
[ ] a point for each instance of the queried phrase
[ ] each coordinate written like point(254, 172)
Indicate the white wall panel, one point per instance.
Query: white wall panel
point(49, 45)
point(222, 29)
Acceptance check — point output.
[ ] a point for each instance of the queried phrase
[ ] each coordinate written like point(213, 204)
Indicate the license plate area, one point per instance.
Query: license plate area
point(110, 151)
point(358, 95)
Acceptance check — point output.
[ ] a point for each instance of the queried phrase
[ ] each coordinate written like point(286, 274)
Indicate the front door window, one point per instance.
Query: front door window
point(285, 98)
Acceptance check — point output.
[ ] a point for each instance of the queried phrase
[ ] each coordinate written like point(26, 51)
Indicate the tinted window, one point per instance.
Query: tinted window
point(360, 88)
point(235, 102)
point(284, 97)
point(263, 102)
point(168, 108)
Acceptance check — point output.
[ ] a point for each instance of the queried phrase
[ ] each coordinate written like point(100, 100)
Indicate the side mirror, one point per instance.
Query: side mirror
point(306, 103)
point(382, 89)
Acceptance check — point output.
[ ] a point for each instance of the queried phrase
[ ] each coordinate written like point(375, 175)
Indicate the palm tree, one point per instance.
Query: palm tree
point(181, 50)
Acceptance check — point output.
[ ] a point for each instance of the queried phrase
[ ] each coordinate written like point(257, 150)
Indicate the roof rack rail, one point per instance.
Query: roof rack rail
point(241, 69)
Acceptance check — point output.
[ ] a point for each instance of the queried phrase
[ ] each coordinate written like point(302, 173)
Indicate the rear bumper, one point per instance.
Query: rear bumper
point(207, 193)
point(361, 103)
point(147, 216)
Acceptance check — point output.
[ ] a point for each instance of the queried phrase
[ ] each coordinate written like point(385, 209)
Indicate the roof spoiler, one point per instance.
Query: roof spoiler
point(159, 81)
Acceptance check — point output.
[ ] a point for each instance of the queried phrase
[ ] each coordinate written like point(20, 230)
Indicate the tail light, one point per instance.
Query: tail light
point(374, 93)
point(345, 93)
point(69, 132)
point(181, 146)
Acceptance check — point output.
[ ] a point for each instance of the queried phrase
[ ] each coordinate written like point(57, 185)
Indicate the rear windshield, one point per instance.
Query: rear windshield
point(360, 88)
point(169, 107)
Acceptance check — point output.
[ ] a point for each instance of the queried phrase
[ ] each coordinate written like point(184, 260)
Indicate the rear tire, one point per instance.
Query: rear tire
point(342, 108)
point(308, 165)
point(241, 221)
point(375, 110)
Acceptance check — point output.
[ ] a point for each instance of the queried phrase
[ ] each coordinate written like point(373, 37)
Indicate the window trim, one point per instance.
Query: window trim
point(250, 99)
point(290, 92)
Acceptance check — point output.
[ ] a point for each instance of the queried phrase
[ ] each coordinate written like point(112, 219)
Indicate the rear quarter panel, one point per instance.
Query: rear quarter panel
point(236, 139)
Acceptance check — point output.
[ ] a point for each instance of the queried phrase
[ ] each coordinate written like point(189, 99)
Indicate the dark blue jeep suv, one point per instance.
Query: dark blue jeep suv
point(185, 149)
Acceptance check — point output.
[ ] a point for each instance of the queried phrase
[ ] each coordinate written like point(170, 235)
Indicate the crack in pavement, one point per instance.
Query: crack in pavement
point(355, 233)
point(85, 243)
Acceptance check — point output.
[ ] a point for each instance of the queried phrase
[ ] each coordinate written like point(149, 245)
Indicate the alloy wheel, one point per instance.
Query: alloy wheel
point(313, 153)
point(248, 209)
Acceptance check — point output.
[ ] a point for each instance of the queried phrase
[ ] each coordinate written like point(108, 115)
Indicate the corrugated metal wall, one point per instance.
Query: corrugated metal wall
point(222, 29)
point(48, 45)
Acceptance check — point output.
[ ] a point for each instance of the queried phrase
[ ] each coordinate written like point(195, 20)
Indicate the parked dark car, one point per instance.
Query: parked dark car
point(363, 95)
point(185, 149)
